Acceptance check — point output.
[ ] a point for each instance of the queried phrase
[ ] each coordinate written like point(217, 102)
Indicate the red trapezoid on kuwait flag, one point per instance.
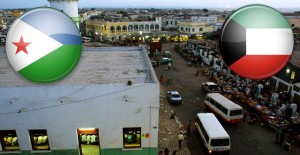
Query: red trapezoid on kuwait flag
point(252, 65)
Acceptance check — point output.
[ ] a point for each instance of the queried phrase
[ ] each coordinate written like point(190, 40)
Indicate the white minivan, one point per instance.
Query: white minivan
point(212, 133)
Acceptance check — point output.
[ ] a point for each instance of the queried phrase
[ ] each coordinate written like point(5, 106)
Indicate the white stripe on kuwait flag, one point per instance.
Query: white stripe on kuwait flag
point(40, 45)
point(43, 45)
point(269, 41)
point(256, 41)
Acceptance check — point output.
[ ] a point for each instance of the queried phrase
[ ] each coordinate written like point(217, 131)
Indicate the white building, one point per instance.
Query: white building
point(172, 21)
point(189, 27)
point(67, 6)
point(145, 26)
point(109, 104)
point(207, 19)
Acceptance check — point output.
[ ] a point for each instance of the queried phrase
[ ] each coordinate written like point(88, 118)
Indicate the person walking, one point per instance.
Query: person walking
point(189, 127)
point(166, 151)
point(180, 139)
point(161, 80)
point(174, 152)
point(169, 66)
point(245, 115)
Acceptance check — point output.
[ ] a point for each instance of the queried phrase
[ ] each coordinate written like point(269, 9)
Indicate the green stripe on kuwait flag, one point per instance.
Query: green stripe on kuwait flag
point(39, 54)
point(256, 41)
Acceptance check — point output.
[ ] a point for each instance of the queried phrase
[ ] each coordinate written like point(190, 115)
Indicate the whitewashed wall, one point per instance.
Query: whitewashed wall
point(69, 7)
point(95, 106)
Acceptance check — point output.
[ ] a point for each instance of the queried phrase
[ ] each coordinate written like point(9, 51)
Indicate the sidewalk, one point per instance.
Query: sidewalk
point(169, 128)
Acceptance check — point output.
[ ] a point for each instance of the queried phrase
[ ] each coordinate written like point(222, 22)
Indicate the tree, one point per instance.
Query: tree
point(124, 13)
point(205, 10)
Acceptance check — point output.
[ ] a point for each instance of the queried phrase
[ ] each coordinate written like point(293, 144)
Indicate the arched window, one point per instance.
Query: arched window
point(147, 27)
point(141, 27)
point(130, 28)
point(124, 28)
point(118, 28)
point(151, 27)
point(112, 29)
point(156, 27)
point(136, 27)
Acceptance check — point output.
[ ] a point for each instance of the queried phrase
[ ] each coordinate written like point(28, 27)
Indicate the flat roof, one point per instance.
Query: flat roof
point(295, 58)
point(98, 65)
point(228, 104)
point(212, 126)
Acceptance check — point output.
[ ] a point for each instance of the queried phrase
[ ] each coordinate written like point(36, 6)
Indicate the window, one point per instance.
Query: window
point(9, 140)
point(201, 29)
point(39, 139)
point(124, 28)
point(293, 25)
point(181, 28)
point(218, 105)
point(224, 110)
point(204, 132)
point(219, 142)
point(193, 29)
point(156, 27)
point(296, 88)
point(112, 29)
point(186, 29)
point(151, 27)
point(131, 137)
point(236, 112)
point(175, 22)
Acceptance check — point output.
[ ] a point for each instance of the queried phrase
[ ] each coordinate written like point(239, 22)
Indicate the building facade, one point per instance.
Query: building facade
point(190, 27)
point(120, 29)
point(294, 21)
point(172, 21)
point(108, 105)
point(206, 19)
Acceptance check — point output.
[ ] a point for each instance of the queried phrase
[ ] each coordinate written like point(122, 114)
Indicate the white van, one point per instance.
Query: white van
point(212, 133)
point(223, 107)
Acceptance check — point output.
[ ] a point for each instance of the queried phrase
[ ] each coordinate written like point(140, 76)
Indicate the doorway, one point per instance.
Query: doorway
point(88, 140)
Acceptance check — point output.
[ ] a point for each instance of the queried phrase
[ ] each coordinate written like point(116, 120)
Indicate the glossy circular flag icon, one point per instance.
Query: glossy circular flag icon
point(256, 41)
point(43, 45)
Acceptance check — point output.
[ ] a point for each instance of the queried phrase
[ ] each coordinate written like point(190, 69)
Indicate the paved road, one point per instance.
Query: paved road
point(246, 139)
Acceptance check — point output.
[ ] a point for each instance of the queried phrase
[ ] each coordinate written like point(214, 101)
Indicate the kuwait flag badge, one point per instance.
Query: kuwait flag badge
point(256, 41)
point(43, 45)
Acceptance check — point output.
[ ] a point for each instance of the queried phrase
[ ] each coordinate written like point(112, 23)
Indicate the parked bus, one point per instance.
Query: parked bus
point(212, 133)
point(223, 107)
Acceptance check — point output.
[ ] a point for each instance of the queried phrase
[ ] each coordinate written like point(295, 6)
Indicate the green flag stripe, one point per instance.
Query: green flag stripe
point(259, 16)
point(53, 66)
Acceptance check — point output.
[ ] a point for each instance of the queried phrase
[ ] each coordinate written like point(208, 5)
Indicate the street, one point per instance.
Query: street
point(246, 139)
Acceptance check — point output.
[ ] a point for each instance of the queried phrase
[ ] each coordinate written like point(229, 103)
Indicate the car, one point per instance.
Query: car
point(167, 54)
point(174, 97)
point(165, 60)
point(210, 87)
point(153, 63)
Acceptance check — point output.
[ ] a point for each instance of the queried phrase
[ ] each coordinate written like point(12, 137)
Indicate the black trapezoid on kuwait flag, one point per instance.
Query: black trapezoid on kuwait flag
point(233, 42)
point(256, 41)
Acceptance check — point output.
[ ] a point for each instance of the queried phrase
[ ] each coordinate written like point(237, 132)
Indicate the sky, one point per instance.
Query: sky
point(228, 4)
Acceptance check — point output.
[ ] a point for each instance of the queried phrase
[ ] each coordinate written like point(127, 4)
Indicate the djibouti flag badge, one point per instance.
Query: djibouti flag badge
point(43, 45)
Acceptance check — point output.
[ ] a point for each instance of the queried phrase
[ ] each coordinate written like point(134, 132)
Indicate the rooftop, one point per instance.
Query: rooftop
point(295, 58)
point(101, 65)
